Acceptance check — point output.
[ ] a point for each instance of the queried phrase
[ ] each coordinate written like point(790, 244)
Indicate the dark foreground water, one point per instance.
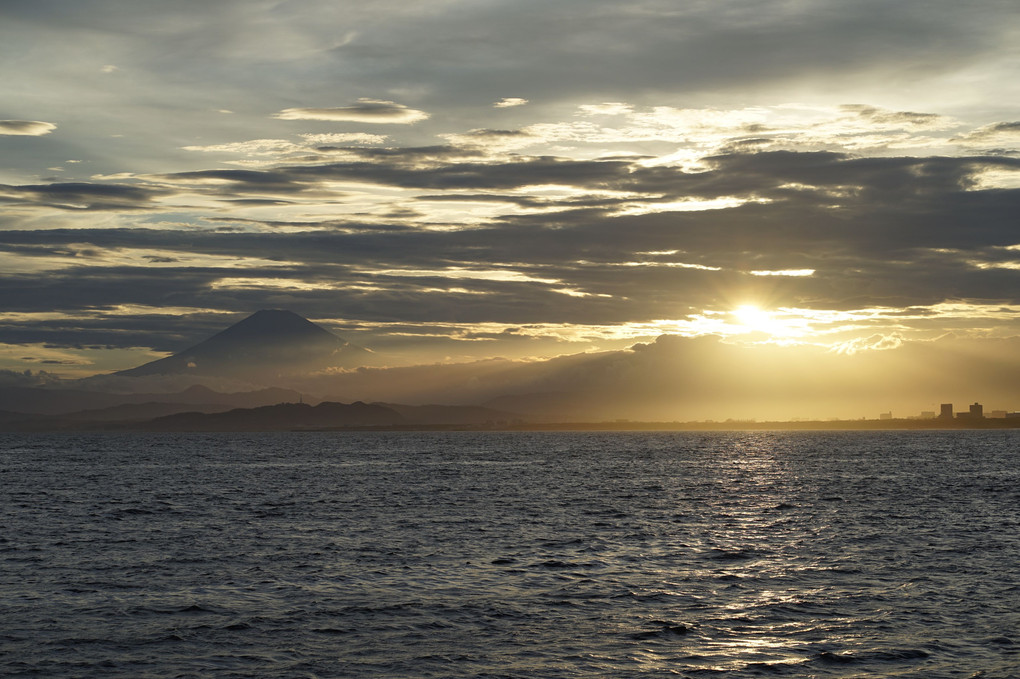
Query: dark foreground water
point(893, 554)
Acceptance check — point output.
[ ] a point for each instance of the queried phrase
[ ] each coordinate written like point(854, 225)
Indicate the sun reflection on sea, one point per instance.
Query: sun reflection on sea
point(757, 609)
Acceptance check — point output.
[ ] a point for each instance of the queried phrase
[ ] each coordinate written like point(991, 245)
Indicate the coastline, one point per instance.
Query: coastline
point(211, 424)
point(800, 425)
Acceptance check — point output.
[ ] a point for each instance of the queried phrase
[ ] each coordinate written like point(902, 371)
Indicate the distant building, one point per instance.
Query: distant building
point(885, 416)
point(927, 415)
point(997, 414)
point(946, 412)
point(976, 412)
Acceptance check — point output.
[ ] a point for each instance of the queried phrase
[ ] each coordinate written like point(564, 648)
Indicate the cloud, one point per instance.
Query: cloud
point(26, 378)
point(609, 108)
point(684, 135)
point(282, 148)
point(872, 343)
point(468, 175)
point(898, 118)
point(252, 147)
point(784, 272)
point(510, 102)
point(81, 196)
point(344, 138)
point(493, 140)
point(365, 111)
point(580, 50)
point(31, 128)
point(1003, 132)
point(873, 230)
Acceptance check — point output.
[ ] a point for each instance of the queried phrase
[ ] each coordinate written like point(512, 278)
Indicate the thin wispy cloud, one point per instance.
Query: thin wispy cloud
point(29, 128)
point(1001, 132)
point(510, 102)
point(365, 111)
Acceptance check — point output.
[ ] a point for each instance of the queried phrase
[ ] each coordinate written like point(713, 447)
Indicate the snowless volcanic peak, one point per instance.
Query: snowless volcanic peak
point(269, 343)
point(273, 325)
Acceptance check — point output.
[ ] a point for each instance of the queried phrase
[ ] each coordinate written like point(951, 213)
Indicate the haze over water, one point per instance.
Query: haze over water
point(849, 554)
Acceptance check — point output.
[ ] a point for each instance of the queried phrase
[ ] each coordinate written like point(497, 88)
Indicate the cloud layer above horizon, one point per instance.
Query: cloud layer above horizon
point(449, 180)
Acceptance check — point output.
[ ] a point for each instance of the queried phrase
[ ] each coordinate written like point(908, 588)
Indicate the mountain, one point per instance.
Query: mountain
point(66, 402)
point(200, 409)
point(329, 415)
point(267, 345)
point(283, 416)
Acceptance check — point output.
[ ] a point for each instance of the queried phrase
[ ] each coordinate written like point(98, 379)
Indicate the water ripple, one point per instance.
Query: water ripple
point(845, 554)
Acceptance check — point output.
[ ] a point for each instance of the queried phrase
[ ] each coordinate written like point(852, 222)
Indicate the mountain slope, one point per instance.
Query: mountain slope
point(266, 345)
point(283, 416)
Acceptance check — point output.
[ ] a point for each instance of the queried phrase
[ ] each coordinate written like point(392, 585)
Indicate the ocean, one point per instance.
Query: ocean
point(525, 554)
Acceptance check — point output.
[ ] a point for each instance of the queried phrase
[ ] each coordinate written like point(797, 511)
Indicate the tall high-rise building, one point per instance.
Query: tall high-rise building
point(977, 410)
point(946, 412)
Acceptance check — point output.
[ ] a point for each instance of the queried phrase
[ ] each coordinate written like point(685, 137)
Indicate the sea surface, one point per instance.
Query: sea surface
point(777, 554)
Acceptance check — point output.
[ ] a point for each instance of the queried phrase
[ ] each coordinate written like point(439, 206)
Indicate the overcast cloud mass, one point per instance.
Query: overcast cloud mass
point(447, 181)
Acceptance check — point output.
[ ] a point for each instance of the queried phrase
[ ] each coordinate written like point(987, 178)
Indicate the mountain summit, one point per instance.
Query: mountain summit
point(268, 344)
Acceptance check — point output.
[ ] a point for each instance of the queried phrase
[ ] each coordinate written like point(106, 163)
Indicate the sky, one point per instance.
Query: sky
point(449, 181)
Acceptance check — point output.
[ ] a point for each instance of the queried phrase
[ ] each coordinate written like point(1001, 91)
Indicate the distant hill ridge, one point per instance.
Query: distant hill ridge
point(281, 417)
point(200, 409)
point(48, 401)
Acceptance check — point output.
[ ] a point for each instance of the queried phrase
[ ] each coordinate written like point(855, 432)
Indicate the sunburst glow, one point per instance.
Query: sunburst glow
point(751, 318)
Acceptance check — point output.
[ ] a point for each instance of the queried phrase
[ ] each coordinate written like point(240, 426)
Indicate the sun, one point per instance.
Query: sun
point(751, 318)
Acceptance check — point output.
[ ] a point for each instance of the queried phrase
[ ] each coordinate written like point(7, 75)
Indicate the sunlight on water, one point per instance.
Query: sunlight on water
point(521, 555)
